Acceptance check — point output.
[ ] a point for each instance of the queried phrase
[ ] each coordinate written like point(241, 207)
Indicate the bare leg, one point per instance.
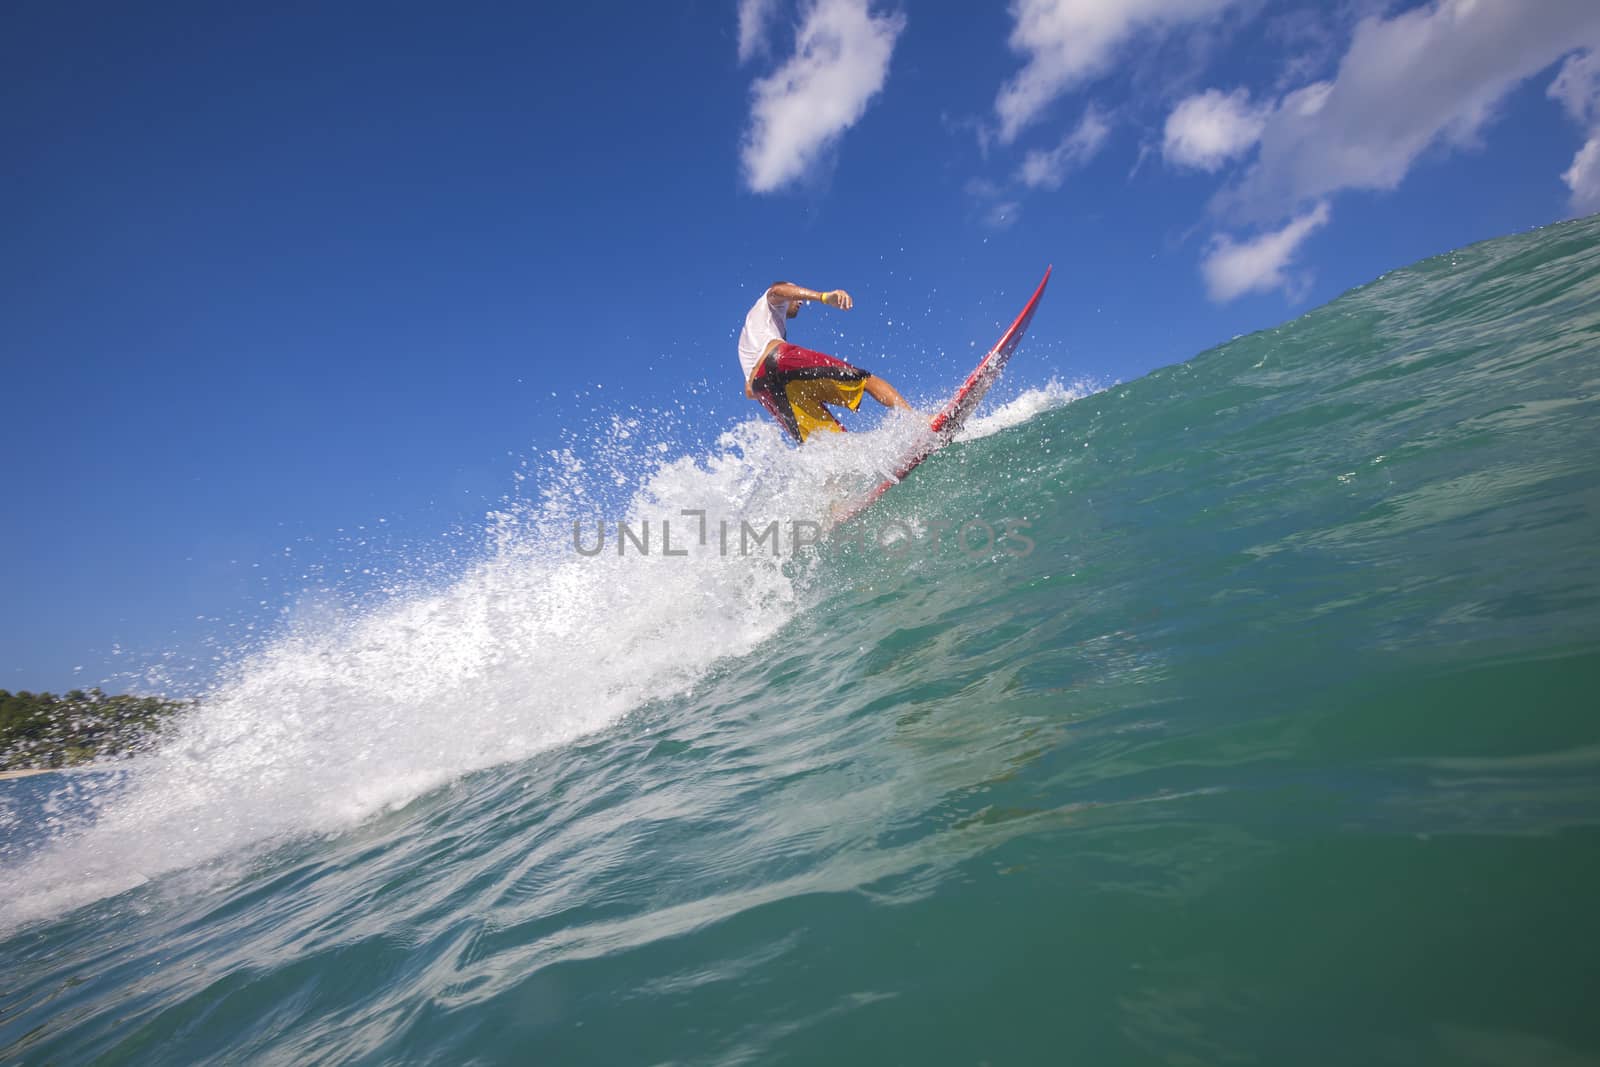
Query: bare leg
point(884, 393)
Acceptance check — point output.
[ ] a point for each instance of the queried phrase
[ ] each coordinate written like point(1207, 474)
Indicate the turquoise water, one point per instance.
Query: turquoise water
point(1280, 746)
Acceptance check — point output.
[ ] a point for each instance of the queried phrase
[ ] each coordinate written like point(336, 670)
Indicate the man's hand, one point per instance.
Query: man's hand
point(790, 294)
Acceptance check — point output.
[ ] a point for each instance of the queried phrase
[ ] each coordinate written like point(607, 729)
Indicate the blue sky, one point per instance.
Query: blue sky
point(300, 288)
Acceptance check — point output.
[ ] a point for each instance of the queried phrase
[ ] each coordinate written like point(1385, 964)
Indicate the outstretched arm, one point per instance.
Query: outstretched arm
point(784, 292)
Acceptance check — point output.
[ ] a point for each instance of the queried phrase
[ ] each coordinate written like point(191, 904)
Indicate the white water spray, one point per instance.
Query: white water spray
point(350, 713)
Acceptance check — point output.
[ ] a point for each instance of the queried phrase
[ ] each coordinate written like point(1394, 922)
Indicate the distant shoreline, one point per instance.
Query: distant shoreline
point(42, 731)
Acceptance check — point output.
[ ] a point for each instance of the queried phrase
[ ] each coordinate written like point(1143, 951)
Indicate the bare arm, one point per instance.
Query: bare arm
point(784, 292)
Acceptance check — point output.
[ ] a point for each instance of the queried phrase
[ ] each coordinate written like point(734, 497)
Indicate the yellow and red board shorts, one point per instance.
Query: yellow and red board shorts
point(794, 383)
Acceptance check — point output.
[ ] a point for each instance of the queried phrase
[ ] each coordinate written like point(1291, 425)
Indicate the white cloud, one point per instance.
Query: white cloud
point(1307, 41)
point(755, 23)
point(996, 208)
point(1003, 215)
point(1068, 42)
point(1432, 74)
point(1583, 178)
point(1232, 269)
point(1577, 86)
point(1047, 170)
point(1578, 89)
point(798, 113)
point(1207, 130)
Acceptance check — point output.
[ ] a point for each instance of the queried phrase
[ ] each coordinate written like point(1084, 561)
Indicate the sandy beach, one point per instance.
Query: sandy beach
point(4, 775)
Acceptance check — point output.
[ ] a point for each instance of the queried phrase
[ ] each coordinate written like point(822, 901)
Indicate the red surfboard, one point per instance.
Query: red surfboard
point(943, 426)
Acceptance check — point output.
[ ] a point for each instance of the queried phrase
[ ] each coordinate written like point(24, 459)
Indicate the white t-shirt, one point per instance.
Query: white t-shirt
point(762, 326)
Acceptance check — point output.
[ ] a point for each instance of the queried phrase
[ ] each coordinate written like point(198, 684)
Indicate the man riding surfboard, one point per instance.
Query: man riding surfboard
point(795, 383)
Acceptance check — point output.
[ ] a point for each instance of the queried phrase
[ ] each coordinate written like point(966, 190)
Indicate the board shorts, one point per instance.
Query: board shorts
point(794, 383)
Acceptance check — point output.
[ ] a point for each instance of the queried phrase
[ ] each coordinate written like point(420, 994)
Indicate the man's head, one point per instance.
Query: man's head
point(794, 305)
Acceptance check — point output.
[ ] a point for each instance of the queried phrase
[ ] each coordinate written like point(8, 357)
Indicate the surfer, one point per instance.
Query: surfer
point(795, 383)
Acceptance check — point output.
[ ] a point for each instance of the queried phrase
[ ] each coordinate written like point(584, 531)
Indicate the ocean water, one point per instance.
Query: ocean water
point(1269, 734)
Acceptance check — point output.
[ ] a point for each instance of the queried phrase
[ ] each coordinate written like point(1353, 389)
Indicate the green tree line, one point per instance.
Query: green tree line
point(42, 730)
